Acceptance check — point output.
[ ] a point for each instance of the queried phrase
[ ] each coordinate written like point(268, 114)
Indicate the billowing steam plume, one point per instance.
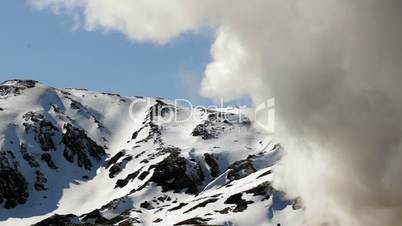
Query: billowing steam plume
point(334, 68)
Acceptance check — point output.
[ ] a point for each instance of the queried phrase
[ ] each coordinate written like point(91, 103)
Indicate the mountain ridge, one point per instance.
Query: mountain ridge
point(78, 157)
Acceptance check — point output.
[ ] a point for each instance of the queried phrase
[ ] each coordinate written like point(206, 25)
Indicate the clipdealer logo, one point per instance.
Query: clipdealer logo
point(264, 113)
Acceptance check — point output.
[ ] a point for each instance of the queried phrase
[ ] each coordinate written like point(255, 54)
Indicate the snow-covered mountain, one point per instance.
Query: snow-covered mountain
point(76, 157)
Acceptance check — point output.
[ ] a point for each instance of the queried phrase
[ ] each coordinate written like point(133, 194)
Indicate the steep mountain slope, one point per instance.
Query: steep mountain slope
point(70, 156)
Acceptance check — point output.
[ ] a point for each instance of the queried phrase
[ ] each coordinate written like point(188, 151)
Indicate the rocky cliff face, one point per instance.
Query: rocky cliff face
point(76, 157)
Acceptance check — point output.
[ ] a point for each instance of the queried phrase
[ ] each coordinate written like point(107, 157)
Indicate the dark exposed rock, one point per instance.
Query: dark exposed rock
point(143, 175)
point(153, 134)
point(181, 205)
point(268, 172)
point(224, 211)
point(194, 221)
point(202, 204)
point(94, 215)
point(42, 129)
point(13, 187)
point(27, 157)
point(123, 182)
point(170, 174)
point(164, 198)
point(48, 159)
point(15, 87)
point(58, 220)
point(146, 205)
point(114, 170)
point(78, 145)
point(213, 165)
point(135, 134)
point(21, 83)
point(40, 181)
point(265, 189)
point(205, 131)
point(76, 105)
point(157, 220)
point(116, 166)
point(240, 203)
point(216, 124)
point(111, 94)
point(240, 169)
point(159, 109)
point(115, 158)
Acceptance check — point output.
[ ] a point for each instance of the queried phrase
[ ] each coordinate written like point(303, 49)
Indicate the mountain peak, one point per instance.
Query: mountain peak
point(20, 83)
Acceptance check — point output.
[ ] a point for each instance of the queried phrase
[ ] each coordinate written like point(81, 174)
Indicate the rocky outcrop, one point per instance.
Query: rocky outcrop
point(217, 123)
point(42, 129)
point(13, 186)
point(115, 166)
point(59, 220)
point(15, 87)
point(213, 165)
point(240, 169)
point(80, 148)
point(177, 173)
point(40, 183)
point(28, 157)
point(236, 199)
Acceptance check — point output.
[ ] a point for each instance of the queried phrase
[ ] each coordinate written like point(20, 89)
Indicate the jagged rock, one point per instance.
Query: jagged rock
point(265, 174)
point(224, 211)
point(146, 205)
point(40, 181)
point(194, 221)
point(59, 220)
point(115, 158)
point(76, 105)
point(181, 205)
point(159, 109)
point(27, 157)
point(123, 182)
point(240, 203)
point(158, 220)
point(153, 134)
point(265, 189)
point(116, 166)
point(205, 131)
point(143, 175)
point(48, 159)
point(216, 124)
point(79, 145)
point(95, 216)
point(171, 174)
point(202, 204)
point(42, 129)
point(15, 87)
point(240, 169)
point(13, 187)
point(213, 165)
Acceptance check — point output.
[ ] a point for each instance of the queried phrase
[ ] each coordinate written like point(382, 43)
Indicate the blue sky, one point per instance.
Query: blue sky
point(42, 46)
